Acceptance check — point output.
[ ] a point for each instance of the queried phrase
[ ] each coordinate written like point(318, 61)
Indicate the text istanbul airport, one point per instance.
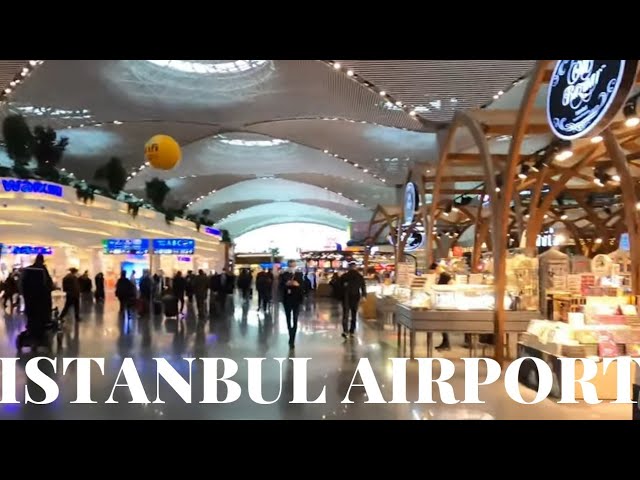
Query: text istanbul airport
point(219, 372)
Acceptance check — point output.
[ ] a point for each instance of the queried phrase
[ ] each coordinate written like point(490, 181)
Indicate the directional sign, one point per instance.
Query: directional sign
point(122, 246)
point(174, 246)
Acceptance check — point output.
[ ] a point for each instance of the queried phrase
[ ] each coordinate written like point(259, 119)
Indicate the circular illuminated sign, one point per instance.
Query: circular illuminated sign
point(587, 94)
point(414, 242)
point(410, 202)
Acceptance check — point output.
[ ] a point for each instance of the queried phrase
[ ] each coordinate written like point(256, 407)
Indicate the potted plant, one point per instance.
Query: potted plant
point(156, 191)
point(114, 174)
point(18, 141)
point(48, 150)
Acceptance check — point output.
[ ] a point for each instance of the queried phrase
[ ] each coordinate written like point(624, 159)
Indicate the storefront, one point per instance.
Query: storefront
point(43, 217)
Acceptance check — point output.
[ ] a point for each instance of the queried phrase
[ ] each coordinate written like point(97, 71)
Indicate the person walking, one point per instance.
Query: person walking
point(99, 281)
point(291, 282)
point(189, 286)
point(85, 288)
point(125, 293)
point(71, 287)
point(200, 288)
point(10, 291)
point(36, 286)
point(179, 289)
point(353, 288)
point(244, 284)
point(264, 286)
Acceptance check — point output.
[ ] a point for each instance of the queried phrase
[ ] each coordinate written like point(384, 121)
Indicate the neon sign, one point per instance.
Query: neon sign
point(32, 186)
point(585, 94)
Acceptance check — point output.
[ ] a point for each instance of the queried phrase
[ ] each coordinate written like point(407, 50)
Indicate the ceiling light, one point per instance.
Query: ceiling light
point(632, 122)
point(495, 97)
point(7, 90)
point(563, 151)
point(598, 240)
point(399, 103)
point(500, 92)
point(564, 216)
point(615, 178)
point(337, 66)
point(350, 73)
point(630, 114)
point(413, 113)
point(497, 189)
point(596, 139)
point(117, 122)
point(383, 93)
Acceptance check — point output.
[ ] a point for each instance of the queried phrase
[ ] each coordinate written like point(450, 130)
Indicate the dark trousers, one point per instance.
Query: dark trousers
point(350, 306)
point(180, 297)
point(264, 299)
point(291, 311)
point(9, 298)
point(200, 301)
point(68, 303)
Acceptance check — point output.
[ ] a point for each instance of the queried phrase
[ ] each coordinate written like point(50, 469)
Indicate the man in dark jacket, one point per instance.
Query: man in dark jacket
point(71, 287)
point(99, 280)
point(200, 288)
point(179, 289)
point(85, 288)
point(290, 283)
point(125, 293)
point(36, 285)
point(353, 288)
point(264, 286)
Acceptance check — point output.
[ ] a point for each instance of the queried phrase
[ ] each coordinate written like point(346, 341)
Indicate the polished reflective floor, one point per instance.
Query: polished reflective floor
point(242, 333)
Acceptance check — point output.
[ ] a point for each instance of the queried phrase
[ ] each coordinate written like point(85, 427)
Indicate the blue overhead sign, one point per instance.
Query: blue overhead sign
point(212, 231)
point(174, 246)
point(26, 250)
point(31, 186)
point(120, 246)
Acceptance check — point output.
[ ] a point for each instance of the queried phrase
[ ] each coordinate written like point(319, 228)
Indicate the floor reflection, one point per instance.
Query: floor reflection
point(239, 331)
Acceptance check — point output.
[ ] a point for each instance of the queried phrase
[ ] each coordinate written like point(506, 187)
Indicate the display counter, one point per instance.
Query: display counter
point(473, 322)
point(550, 341)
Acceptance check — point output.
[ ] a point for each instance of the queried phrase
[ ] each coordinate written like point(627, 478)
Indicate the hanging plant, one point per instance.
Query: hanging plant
point(133, 208)
point(169, 217)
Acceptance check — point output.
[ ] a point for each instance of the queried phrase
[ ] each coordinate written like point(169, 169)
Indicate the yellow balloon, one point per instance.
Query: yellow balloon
point(162, 152)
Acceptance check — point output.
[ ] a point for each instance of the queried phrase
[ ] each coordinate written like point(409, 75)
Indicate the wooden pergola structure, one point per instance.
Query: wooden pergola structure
point(499, 172)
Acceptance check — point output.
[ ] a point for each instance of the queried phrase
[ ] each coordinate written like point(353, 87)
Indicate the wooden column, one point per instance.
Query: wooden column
point(630, 199)
point(500, 245)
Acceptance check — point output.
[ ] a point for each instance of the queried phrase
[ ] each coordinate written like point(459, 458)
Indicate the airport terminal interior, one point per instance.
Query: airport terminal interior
point(335, 210)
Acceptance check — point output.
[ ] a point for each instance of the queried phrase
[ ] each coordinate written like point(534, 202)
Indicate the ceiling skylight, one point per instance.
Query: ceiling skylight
point(237, 142)
point(190, 66)
point(33, 111)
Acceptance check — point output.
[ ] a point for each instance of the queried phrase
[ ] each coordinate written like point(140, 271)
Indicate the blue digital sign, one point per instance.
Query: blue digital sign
point(26, 250)
point(624, 242)
point(174, 246)
point(121, 246)
point(212, 231)
point(31, 186)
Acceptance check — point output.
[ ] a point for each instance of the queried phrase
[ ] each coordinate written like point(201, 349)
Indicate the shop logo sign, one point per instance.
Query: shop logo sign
point(410, 202)
point(585, 94)
point(32, 186)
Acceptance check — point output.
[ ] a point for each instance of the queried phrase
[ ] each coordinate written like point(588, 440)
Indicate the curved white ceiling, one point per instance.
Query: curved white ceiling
point(241, 120)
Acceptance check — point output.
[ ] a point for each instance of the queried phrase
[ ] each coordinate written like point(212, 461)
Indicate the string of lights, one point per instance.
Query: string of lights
point(19, 78)
point(408, 109)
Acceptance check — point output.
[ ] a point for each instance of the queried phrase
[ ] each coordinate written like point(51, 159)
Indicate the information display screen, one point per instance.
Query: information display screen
point(120, 246)
point(174, 246)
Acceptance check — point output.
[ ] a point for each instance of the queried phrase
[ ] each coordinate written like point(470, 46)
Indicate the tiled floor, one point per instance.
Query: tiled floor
point(244, 333)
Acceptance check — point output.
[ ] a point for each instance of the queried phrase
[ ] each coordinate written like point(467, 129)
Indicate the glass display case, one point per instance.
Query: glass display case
point(463, 297)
